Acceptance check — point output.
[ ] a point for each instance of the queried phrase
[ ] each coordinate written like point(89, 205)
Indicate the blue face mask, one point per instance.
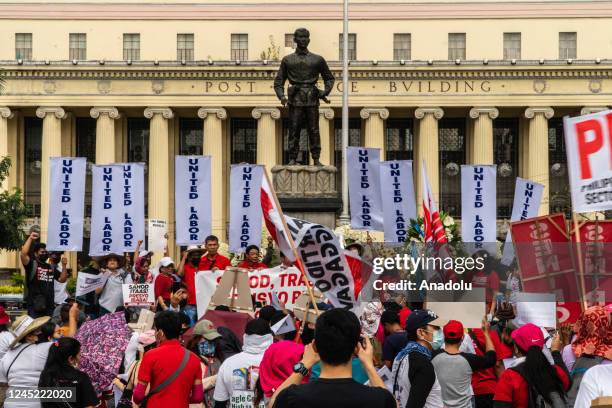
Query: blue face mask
point(206, 348)
point(437, 340)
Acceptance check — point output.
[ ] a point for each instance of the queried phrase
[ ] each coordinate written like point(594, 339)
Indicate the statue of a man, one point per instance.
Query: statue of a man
point(302, 69)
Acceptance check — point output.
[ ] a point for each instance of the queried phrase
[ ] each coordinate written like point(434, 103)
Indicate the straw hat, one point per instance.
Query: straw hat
point(104, 259)
point(24, 325)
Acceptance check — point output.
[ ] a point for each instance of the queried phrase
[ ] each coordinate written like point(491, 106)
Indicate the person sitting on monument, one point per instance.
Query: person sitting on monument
point(251, 259)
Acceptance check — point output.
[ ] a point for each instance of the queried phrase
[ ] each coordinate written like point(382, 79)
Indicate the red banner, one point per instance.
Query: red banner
point(544, 256)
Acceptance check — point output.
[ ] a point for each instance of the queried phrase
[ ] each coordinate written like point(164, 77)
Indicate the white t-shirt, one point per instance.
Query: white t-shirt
point(112, 294)
point(596, 382)
point(6, 338)
point(25, 371)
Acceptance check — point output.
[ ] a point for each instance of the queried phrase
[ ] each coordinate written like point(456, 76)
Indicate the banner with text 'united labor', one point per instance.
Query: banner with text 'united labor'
point(399, 204)
point(66, 203)
point(363, 165)
point(245, 206)
point(192, 187)
point(588, 143)
point(479, 208)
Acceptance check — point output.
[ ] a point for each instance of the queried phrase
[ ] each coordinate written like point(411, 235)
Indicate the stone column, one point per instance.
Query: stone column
point(375, 128)
point(427, 149)
point(159, 168)
point(537, 150)
point(105, 133)
point(51, 147)
point(267, 142)
point(587, 110)
point(213, 146)
point(327, 140)
point(482, 136)
point(6, 258)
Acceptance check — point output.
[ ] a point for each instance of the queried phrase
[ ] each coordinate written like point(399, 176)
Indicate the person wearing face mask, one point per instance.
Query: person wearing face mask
point(61, 371)
point(205, 343)
point(39, 277)
point(414, 379)
point(59, 262)
point(186, 270)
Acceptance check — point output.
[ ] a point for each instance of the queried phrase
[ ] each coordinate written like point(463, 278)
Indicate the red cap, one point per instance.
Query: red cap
point(4, 318)
point(527, 336)
point(453, 330)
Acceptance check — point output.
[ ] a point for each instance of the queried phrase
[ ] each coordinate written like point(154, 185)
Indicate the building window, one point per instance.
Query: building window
point(33, 157)
point(567, 45)
point(352, 47)
point(559, 194)
point(289, 43)
point(23, 46)
point(240, 47)
point(451, 133)
point(401, 46)
point(86, 147)
point(302, 157)
point(505, 155)
point(354, 140)
point(190, 136)
point(138, 147)
point(456, 46)
point(512, 46)
point(399, 140)
point(244, 140)
point(77, 46)
point(184, 47)
point(131, 47)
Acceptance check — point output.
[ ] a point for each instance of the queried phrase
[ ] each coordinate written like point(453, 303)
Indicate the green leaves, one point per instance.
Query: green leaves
point(13, 212)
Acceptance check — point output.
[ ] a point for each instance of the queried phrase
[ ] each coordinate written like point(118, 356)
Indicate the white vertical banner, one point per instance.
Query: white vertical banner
point(479, 207)
point(527, 199)
point(117, 213)
point(245, 206)
point(66, 203)
point(363, 165)
point(399, 205)
point(192, 199)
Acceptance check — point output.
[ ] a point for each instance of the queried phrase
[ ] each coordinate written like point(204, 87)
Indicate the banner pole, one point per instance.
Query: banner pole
point(296, 254)
point(580, 265)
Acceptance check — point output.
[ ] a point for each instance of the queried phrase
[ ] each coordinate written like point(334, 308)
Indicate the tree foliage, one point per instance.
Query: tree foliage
point(13, 212)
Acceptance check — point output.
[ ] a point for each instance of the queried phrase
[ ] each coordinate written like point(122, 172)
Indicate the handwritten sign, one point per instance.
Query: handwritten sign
point(138, 294)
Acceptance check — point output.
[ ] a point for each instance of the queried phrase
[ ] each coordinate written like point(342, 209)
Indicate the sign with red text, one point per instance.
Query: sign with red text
point(588, 143)
point(544, 256)
point(138, 294)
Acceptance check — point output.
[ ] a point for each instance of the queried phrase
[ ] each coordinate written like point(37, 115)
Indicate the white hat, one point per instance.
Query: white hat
point(166, 261)
point(192, 248)
point(144, 253)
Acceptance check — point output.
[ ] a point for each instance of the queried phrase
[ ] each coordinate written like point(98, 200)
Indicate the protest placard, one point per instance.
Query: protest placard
point(465, 309)
point(245, 206)
point(157, 235)
point(138, 294)
point(479, 208)
point(537, 308)
point(87, 282)
point(595, 240)
point(364, 188)
point(192, 198)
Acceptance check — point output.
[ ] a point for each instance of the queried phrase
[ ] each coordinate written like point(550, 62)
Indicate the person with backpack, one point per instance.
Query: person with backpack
point(532, 382)
point(111, 294)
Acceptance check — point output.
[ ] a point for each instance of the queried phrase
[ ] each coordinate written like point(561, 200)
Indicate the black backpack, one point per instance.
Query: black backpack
point(537, 400)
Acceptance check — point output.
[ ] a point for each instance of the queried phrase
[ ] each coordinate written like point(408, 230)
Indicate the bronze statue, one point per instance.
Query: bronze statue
point(302, 69)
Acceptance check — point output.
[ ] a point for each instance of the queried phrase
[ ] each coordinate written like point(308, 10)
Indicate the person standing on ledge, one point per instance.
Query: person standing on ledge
point(302, 69)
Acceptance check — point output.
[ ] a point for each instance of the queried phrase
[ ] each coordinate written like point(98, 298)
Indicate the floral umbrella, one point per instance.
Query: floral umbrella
point(103, 343)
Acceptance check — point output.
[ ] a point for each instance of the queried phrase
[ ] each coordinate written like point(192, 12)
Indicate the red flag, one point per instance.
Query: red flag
point(432, 223)
point(272, 217)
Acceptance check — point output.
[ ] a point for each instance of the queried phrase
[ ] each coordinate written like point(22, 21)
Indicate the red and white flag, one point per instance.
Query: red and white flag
point(273, 219)
point(432, 223)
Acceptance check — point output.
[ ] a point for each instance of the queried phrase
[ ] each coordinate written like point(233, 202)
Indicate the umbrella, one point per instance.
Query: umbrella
point(103, 343)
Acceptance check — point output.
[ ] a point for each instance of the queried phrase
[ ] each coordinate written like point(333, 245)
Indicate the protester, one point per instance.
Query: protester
point(267, 313)
point(390, 321)
point(188, 267)
point(164, 282)
point(592, 346)
point(415, 384)
point(111, 294)
point(39, 277)
point(513, 284)
point(61, 371)
point(6, 337)
point(277, 365)
point(173, 372)
point(337, 338)
point(532, 377)
point(178, 299)
point(454, 368)
point(238, 374)
point(90, 300)
point(212, 260)
point(59, 263)
point(596, 382)
point(251, 259)
point(142, 273)
point(230, 343)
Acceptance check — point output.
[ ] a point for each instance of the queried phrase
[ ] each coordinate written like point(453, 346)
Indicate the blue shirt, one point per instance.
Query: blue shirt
point(359, 373)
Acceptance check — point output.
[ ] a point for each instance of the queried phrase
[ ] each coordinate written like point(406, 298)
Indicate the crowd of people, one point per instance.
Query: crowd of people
point(174, 357)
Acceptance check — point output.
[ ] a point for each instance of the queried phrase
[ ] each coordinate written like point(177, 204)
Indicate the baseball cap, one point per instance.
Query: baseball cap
point(166, 261)
point(422, 317)
point(453, 330)
point(527, 336)
point(206, 329)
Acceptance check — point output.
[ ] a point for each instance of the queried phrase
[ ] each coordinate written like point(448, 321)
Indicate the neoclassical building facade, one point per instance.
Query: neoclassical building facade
point(123, 82)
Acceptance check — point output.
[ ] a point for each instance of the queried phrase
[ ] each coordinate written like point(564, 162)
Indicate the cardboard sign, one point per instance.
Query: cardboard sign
point(468, 311)
point(537, 308)
point(157, 235)
point(596, 255)
point(138, 294)
point(588, 143)
point(544, 256)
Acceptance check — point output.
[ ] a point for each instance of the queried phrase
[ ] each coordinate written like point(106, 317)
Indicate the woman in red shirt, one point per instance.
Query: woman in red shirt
point(164, 281)
point(251, 259)
point(532, 375)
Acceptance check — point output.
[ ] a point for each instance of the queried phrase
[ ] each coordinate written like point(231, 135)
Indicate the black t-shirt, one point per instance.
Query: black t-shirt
point(71, 378)
point(39, 281)
point(334, 393)
point(394, 343)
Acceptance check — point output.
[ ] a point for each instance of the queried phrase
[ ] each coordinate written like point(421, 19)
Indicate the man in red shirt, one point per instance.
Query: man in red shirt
point(251, 259)
point(211, 261)
point(169, 361)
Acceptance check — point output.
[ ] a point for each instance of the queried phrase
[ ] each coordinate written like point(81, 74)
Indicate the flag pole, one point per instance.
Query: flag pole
point(296, 254)
point(344, 218)
point(580, 265)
